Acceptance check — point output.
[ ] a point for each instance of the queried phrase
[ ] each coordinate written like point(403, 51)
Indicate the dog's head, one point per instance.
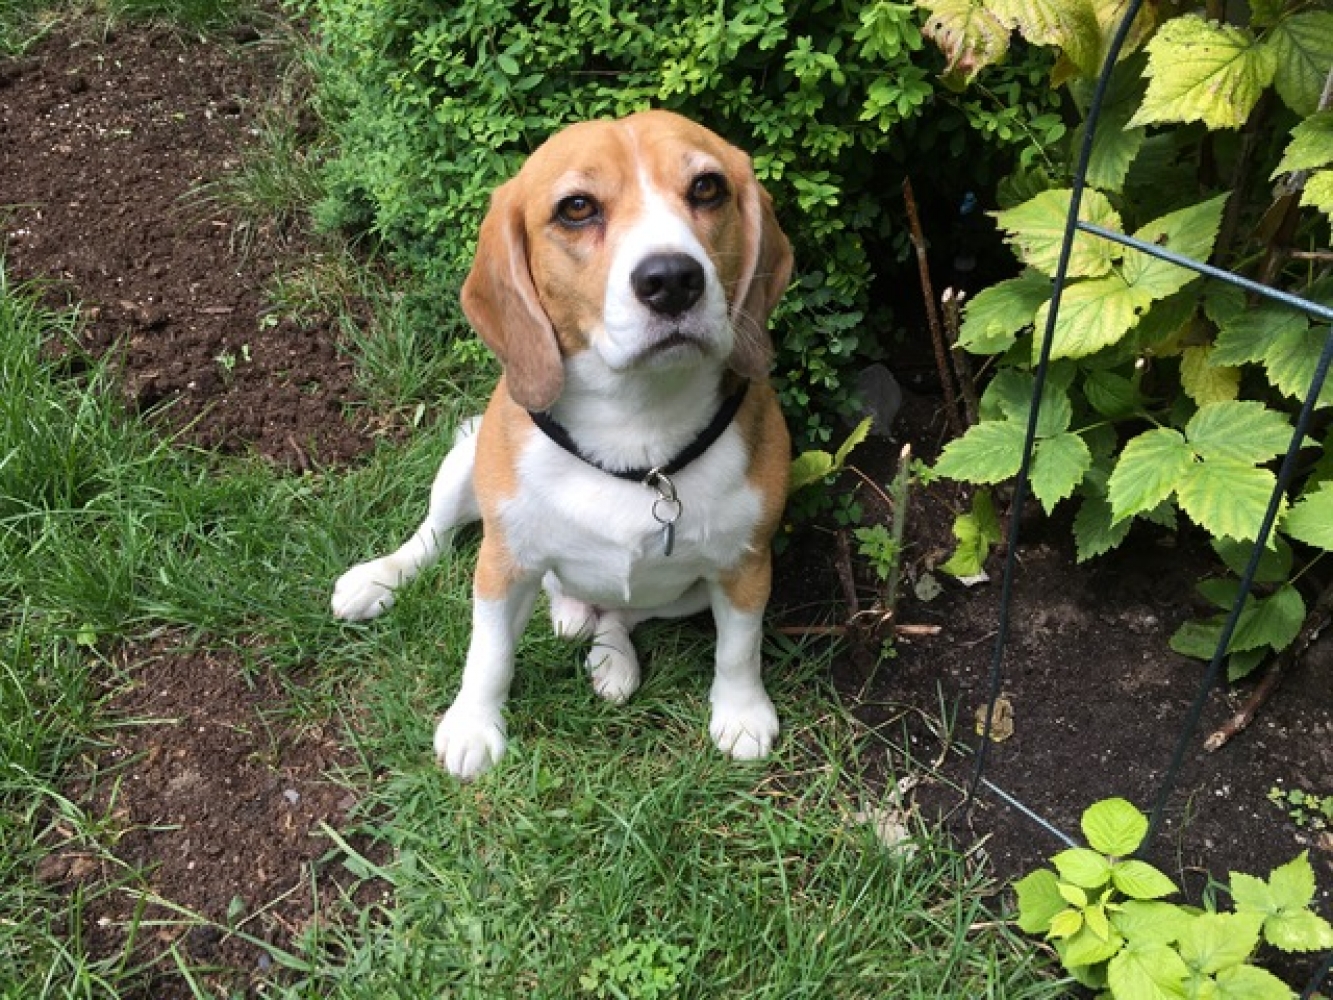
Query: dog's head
point(646, 240)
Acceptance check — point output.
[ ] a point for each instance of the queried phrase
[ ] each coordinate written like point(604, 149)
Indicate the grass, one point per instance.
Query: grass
point(614, 853)
point(24, 23)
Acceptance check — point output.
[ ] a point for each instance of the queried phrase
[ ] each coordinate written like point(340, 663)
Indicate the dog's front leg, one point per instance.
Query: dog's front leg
point(471, 736)
point(744, 723)
point(367, 589)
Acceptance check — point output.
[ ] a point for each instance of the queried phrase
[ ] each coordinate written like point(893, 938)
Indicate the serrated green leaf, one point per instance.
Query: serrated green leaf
point(1242, 664)
point(1109, 14)
point(1270, 621)
point(1147, 971)
point(990, 452)
point(1302, 46)
point(1094, 532)
point(1318, 193)
point(1221, 592)
point(1114, 826)
point(1094, 313)
point(1311, 519)
point(1292, 885)
point(1166, 322)
point(1097, 922)
point(1212, 942)
point(1251, 894)
point(969, 35)
point(1069, 25)
point(1274, 563)
point(1226, 497)
point(1009, 395)
point(976, 532)
point(993, 320)
point(1039, 900)
point(1058, 466)
point(1223, 302)
point(1112, 395)
point(1087, 947)
point(1283, 902)
point(1151, 467)
point(1240, 430)
point(1200, 70)
point(1036, 230)
point(1150, 922)
point(809, 467)
point(1246, 337)
point(1248, 982)
point(1113, 147)
point(1083, 868)
point(1191, 231)
point(1205, 382)
point(1074, 895)
point(1311, 144)
point(1066, 924)
point(1140, 880)
point(1197, 639)
point(1292, 358)
point(1302, 930)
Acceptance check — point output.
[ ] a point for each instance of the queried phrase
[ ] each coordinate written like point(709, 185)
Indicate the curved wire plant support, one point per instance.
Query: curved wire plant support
point(1073, 225)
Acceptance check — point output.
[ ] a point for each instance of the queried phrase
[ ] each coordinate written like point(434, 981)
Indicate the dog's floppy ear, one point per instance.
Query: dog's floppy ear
point(501, 303)
point(766, 263)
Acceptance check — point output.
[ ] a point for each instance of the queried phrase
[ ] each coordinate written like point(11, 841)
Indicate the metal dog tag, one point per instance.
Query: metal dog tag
point(667, 507)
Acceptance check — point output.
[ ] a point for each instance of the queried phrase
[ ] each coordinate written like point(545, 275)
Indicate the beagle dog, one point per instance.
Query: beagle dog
point(632, 461)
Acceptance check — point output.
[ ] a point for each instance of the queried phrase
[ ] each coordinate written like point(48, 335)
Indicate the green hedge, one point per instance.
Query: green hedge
point(432, 104)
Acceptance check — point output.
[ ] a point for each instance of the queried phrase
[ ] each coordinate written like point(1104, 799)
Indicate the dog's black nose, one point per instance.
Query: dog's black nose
point(668, 283)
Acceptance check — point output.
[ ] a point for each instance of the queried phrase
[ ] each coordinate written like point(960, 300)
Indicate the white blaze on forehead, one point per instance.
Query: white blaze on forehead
point(661, 226)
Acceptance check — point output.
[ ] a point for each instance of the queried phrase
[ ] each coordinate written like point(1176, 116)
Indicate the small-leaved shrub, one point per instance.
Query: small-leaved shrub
point(432, 104)
point(1168, 393)
point(1105, 914)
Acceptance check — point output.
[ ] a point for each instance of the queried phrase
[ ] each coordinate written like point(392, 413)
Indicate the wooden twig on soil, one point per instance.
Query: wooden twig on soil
point(856, 635)
point(904, 630)
point(1315, 623)
point(952, 301)
point(932, 314)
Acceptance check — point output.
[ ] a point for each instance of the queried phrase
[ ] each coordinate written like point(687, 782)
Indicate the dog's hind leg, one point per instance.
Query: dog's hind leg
point(612, 662)
point(367, 590)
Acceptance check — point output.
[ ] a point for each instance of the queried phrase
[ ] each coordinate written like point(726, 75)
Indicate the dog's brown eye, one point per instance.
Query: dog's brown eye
point(577, 210)
point(708, 190)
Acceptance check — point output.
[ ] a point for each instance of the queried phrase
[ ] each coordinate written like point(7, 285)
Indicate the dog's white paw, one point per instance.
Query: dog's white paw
point(615, 673)
point(571, 618)
point(744, 724)
point(365, 591)
point(469, 740)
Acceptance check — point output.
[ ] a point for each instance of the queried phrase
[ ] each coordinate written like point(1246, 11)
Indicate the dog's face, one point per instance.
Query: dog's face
point(646, 240)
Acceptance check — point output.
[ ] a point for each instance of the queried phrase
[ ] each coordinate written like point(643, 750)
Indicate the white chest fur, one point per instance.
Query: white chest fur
point(599, 536)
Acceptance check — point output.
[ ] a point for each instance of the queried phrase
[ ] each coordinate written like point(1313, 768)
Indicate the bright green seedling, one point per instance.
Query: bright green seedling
point(1306, 809)
point(1105, 914)
point(817, 465)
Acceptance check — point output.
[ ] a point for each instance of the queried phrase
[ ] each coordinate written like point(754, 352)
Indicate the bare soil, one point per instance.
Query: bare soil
point(102, 142)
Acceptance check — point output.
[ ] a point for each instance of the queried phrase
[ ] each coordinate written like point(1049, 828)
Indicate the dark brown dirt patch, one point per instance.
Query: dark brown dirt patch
point(209, 799)
point(103, 142)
